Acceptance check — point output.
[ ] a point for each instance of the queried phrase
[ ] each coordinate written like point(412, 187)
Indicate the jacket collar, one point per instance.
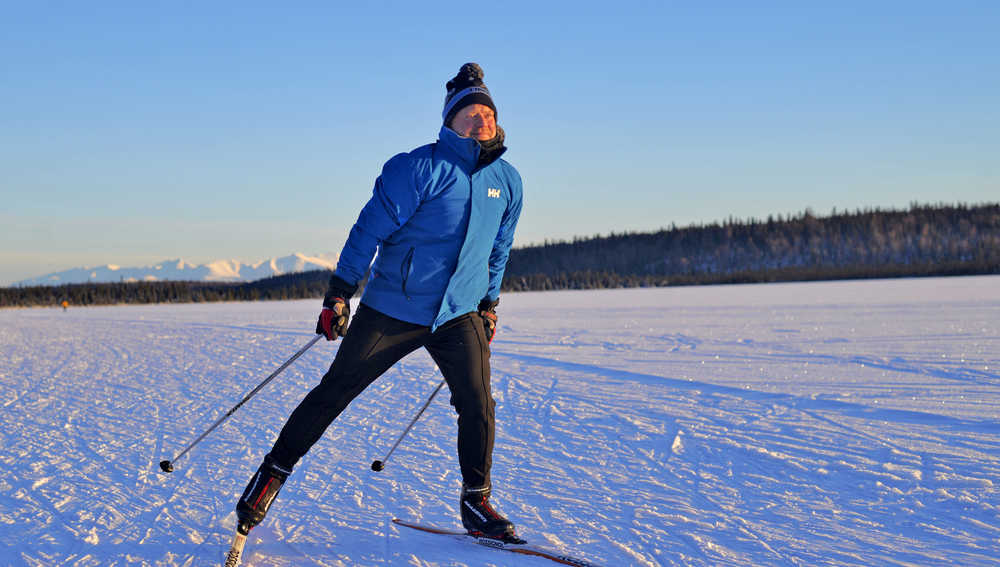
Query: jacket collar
point(466, 149)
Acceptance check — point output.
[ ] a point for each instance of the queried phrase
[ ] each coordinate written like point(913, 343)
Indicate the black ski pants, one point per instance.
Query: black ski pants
point(374, 342)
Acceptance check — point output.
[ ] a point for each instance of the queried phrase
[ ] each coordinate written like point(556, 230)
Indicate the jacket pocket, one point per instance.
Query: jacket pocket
point(406, 268)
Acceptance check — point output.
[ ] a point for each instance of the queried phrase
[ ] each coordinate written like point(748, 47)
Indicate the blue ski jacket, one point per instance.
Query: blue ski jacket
point(440, 229)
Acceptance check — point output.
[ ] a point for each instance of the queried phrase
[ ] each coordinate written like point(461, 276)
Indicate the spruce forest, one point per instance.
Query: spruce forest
point(924, 240)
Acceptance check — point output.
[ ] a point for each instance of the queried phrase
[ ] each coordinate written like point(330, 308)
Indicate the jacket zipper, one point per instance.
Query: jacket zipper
point(405, 269)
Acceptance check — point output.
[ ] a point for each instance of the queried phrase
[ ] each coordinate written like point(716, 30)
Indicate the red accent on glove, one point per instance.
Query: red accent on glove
point(326, 323)
point(333, 322)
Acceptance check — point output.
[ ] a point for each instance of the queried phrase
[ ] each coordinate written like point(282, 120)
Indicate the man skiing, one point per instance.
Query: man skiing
point(441, 219)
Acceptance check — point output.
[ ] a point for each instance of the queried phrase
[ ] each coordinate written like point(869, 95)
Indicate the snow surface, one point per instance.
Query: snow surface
point(847, 423)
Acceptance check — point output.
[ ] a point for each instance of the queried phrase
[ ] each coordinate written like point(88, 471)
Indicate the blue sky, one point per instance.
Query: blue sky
point(134, 132)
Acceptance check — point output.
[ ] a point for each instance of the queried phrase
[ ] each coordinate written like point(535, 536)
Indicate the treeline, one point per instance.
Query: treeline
point(922, 241)
point(289, 286)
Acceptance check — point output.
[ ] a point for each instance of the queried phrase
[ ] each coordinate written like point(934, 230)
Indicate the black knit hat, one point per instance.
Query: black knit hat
point(466, 88)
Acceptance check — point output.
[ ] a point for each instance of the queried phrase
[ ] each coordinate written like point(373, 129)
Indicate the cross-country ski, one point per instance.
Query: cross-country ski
point(234, 557)
point(521, 547)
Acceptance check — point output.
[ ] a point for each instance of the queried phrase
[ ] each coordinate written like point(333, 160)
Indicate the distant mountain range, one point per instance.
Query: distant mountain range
point(179, 270)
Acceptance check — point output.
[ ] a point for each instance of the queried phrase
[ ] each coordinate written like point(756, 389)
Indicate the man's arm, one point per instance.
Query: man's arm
point(504, 238)
point(394, 200)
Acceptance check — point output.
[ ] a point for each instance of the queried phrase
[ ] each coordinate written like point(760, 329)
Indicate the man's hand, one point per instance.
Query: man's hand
point(336, 313)
point(333, 319)
point(488, 311)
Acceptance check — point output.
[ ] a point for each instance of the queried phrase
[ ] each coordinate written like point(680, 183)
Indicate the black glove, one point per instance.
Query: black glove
point(488, 311)
point(336, 311)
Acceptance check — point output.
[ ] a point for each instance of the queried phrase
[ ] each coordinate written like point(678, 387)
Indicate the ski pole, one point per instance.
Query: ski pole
point(379, 465)
point(168, 466)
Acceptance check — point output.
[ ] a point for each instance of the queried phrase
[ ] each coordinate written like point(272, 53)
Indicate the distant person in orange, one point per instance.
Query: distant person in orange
point(65, 304)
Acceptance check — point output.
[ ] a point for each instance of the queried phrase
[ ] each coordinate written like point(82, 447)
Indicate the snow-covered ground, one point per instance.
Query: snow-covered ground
point(846, 423)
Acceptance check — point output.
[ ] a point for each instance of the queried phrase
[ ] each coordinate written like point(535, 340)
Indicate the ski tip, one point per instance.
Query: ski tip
point(167, 466)
point(235, 555)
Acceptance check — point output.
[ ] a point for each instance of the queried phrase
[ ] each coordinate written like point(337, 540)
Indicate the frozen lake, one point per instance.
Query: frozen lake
point(835, 423)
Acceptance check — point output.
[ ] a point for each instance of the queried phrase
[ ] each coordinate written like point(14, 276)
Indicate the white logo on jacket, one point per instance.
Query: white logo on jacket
point(491, 192)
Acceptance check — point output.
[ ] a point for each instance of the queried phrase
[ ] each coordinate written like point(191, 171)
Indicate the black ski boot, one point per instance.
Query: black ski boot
point(259, 494)
point(481, 519)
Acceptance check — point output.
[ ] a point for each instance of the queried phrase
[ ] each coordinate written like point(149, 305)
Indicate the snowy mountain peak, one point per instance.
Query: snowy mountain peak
point(179, 269)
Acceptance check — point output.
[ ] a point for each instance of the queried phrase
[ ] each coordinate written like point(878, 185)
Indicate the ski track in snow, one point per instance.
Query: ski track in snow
point(841, 423)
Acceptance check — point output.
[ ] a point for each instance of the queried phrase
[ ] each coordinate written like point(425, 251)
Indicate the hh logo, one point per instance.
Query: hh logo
point(491, 192)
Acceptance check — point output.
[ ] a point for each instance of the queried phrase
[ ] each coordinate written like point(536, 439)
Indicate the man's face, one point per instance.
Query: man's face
point(475, 121)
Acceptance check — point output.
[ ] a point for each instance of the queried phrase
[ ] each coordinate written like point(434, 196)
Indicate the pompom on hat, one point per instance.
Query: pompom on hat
point(464, 89)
